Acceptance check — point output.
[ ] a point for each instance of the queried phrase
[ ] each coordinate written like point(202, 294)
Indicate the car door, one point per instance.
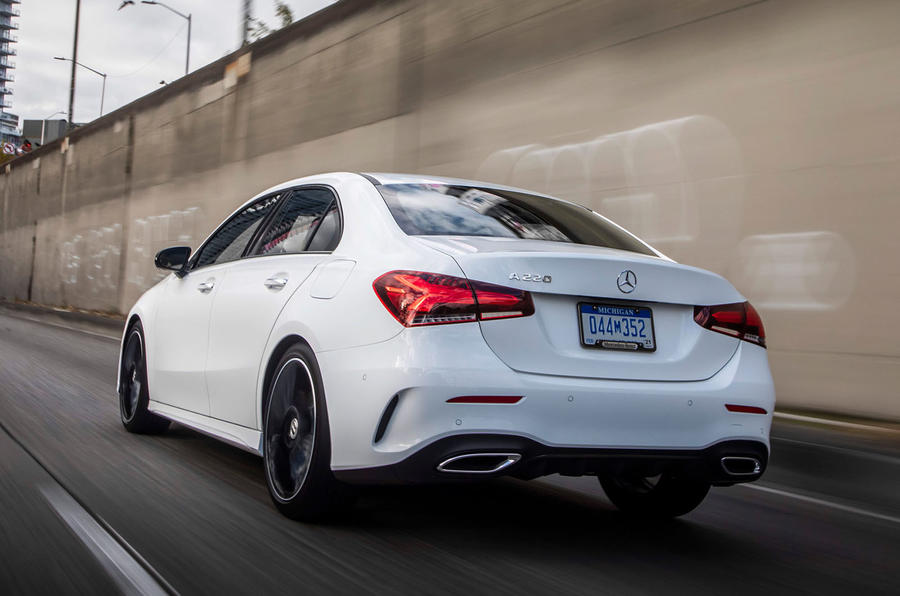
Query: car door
point(181, 329)
point(297, 238)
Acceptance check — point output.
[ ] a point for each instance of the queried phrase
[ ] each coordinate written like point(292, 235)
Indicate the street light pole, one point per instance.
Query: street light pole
point(187, 59)
point(74, 58)
point(102, 94)
point(93, 70)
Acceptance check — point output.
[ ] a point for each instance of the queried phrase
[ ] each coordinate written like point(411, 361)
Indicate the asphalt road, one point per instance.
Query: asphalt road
point(825, 518)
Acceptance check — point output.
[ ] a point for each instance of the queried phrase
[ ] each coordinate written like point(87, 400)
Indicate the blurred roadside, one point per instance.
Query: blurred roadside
point(856, 466)
point(96, 323)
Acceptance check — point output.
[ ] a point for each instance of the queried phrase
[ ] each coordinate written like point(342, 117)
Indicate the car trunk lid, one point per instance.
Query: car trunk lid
point(561, 276)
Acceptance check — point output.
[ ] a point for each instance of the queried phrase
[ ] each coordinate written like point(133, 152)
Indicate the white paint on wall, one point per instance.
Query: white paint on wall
point(796, 271)
point(90, 259)
point(153, 233)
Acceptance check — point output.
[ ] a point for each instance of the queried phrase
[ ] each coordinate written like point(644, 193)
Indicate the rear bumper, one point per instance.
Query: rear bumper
point(588, 419)
point(533, 459)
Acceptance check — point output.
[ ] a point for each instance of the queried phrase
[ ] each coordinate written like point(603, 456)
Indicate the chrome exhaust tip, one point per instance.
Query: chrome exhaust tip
point(740, 465)
point(478, 463)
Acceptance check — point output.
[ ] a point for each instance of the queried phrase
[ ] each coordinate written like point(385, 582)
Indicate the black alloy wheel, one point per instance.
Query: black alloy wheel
point(291, 428)
point(133, 391)
point(296, 445)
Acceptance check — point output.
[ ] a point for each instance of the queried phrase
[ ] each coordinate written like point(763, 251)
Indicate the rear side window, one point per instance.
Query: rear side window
point(327, 235)
point(440, 210)
point(230, 240)
point(298, 222)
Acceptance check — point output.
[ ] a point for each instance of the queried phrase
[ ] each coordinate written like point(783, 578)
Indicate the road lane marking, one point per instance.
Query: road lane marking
point(112, 551)
point(829, 422)
point(823, 503)
point(127, 572)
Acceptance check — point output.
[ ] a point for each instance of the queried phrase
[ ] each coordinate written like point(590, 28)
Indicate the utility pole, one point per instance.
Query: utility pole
point(245, 22)
point(74, 58)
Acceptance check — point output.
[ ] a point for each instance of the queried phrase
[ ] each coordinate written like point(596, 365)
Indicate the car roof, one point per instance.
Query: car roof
point(392, 178)
point(386, 178)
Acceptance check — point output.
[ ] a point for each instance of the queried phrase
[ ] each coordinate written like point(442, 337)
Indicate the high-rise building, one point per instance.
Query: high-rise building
point(9, 123)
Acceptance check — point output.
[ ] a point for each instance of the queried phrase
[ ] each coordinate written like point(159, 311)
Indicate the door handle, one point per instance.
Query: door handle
point(275, 282)
point(207, 286)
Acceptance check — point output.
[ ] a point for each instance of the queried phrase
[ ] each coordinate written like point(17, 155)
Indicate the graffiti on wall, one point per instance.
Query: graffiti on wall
point(90, 258)
point(153, 233)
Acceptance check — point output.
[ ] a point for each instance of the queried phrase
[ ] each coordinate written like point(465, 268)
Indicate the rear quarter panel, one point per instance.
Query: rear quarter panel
point(352, 315)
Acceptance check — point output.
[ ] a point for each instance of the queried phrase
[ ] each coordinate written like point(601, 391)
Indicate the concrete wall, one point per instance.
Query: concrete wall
point(756, 139)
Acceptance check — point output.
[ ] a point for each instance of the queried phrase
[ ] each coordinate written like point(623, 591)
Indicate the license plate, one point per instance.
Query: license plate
point(615, 327)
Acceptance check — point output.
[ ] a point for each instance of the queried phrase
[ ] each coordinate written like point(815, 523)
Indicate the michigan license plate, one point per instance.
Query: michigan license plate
point(615, 327)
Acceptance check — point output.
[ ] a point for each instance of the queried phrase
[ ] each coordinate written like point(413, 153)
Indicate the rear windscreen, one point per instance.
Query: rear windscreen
point(441, 210)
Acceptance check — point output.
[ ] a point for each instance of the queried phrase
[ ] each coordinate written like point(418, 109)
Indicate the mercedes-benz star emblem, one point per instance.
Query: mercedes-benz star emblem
point(627, 281)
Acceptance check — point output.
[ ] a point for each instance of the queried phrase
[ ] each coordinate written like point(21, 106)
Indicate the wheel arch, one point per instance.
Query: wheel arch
point(274, 356)
point(129, 324)
point(134, 318)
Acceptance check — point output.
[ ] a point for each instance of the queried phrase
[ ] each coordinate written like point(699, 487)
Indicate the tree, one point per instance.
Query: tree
point(283, 13)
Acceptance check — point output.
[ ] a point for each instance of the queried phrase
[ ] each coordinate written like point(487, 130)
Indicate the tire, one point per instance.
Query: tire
point(134, 394)
point(297, 443)
point(666, 495)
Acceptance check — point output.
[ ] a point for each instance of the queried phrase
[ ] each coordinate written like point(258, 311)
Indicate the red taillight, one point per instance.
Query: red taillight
point(500, 302)
point(738, 320)
point(416, 298)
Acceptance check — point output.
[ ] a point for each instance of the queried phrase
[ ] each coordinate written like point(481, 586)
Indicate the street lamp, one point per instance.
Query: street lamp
point(187, 59)
point(103, 92)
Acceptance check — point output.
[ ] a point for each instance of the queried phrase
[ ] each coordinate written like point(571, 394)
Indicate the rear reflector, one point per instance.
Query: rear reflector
point(744, 409)
point(485, 399)
point(416, 298)
point(738, 320)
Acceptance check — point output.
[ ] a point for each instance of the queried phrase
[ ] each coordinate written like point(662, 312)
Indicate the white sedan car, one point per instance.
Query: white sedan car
point(385, 328)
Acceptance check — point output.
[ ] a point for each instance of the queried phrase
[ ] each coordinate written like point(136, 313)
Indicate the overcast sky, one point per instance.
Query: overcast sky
point(136, 47)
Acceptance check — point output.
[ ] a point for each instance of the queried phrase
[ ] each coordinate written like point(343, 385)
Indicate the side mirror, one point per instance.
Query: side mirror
point(174, 259)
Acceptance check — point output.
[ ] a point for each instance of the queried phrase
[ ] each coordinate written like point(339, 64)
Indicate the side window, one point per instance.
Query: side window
point(296, 222)
point(229, 242)
point(328, 234)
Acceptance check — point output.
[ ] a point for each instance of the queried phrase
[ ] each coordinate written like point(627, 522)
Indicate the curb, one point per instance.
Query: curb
point(97, 323)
